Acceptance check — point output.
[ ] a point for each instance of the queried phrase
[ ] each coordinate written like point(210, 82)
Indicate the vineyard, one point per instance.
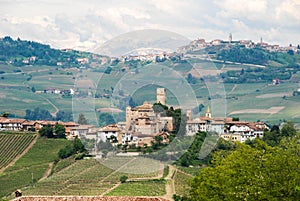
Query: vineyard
point(87, 177)
point(181, 182)
point(12, 146)
point(31, 167)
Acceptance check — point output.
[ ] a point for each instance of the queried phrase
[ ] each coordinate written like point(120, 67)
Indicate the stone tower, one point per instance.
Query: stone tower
point(208, 113)
point(161, 96)
point(230, 38)
point(128, 117)
point(189, 115)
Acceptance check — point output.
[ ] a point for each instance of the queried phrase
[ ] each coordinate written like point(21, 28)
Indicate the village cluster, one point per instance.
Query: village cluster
point(143, 124)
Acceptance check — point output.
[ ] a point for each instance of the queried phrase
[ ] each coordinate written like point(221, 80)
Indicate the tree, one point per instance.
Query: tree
point(59, 130)
point(123, 178)
point(191, 79)
point(5, 114)
point(63, 116)
point(38, 114)
point(288, 129)
point(78, 146)
point(82, 120)
point(105, 119)
point(251, 173)
point(46, 131)
point(131, 102)
point(273, 136)
point(108, 70)
point(158, 139)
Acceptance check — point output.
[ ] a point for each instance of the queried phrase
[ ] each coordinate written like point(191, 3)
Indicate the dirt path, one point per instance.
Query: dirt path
point(159, 175)
point(233, 88)
point(170, 187)
point(48, 172)
point(20, 155)
point(118, 184)
point(67, 183)
point(52, 104)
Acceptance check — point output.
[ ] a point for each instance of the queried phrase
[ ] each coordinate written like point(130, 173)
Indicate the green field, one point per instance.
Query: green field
point(17, 82)
point(87, 177)
point(140, 188)
point(12, 146)
point(31, 167)
point(181, 182)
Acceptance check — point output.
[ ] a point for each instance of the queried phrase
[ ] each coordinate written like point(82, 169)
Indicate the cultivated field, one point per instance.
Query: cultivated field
point(31, 167)
point(13, 146)
point(89, 177)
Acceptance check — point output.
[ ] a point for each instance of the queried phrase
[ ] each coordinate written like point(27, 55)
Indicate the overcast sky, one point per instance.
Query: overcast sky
point(87, 24)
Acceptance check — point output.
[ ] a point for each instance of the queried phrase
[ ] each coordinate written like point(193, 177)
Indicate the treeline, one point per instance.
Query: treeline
point(15, 51)
point(255, 75)
point(42, 114)
point(75, 147)
point(244, 55)
point(266, 169)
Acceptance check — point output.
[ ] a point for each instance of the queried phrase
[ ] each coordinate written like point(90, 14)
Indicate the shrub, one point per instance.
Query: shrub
point(123, 178)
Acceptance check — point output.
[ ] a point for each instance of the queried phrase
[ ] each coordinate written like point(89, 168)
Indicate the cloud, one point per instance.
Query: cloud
point(85, 25)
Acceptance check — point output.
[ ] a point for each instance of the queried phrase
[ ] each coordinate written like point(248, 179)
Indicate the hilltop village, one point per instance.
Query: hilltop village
point(143, 125)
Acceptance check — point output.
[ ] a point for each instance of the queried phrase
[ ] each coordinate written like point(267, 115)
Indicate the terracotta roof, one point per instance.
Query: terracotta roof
point(83, 127)
point(196, 121)
point(7, 120)
point(146, 105)
point(29, 123)
point(111, 127)
point(70, 123)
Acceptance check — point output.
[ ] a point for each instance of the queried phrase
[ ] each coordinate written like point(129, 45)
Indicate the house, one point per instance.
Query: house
point(106, 133)
point(225, 127)
point(245, 130)
point(216, 42)
point(68, 126)
point(84, 131)
point(276, 81)
point(205, 124)
point(31, 126)
point(11, 124)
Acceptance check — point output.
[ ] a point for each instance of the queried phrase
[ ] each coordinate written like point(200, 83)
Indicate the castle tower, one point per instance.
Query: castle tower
point(208, 113)
point(161, 96)
point(230, 38)
point(189, 115)
point(128, 117)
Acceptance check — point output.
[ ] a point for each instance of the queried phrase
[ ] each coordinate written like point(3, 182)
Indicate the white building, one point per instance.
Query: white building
point(205, 124)
point(105, 133)
point(225, 127)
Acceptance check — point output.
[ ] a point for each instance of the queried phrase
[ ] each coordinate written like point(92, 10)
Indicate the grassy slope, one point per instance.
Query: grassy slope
point(16, 95)
point(32, 166)
point(12, 146)
point(140, 188)
point(89, 177)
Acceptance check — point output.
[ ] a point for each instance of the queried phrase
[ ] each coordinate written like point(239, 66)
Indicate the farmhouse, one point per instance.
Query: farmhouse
point(225, 127)
point(84, 131)
point(110, 133)
point(11, 124)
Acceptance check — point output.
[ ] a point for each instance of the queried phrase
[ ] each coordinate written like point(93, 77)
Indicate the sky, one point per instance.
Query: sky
point(85, 25)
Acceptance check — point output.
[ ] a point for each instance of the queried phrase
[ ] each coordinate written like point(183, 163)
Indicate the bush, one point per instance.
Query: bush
point(123, 178)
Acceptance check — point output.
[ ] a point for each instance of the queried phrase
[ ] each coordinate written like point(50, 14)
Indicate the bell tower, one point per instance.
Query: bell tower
point(208, 113)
